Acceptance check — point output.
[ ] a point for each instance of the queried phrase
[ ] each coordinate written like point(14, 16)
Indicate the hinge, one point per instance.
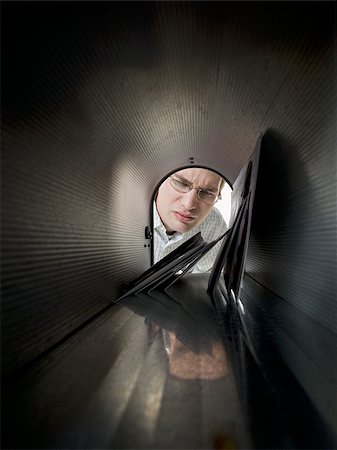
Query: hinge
point(148, 233)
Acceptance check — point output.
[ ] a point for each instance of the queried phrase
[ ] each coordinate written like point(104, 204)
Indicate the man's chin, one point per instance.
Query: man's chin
point(184, 227)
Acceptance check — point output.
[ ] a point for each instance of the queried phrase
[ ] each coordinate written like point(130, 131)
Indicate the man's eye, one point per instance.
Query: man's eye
point(183, 184)
point(208, 194)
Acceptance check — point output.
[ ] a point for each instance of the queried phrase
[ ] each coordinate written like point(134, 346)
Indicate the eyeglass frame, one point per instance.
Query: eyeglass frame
point(217, 196)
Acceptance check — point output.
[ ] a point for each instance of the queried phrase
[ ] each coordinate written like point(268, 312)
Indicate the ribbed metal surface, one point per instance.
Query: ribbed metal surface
point(102, 100)
point(62, 239)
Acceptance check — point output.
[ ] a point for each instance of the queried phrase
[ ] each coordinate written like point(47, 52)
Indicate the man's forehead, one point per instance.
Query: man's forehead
point(200, 176)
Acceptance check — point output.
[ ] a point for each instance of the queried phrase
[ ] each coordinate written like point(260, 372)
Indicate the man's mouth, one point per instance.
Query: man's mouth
point(182, 217)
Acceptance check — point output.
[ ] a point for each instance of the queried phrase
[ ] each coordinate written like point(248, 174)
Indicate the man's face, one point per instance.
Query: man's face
point(183, 211)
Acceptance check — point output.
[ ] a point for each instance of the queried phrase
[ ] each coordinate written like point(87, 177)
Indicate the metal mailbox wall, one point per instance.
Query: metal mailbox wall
point(101, 101)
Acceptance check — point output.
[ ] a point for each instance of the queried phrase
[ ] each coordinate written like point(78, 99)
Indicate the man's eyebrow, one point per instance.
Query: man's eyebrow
point(206, 188)
point(210, 188)
point(182, 178)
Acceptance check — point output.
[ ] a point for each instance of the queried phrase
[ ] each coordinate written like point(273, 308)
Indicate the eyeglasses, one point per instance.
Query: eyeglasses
point(203, 194)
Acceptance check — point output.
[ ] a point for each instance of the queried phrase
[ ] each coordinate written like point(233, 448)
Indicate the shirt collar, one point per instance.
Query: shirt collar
point(156, 219)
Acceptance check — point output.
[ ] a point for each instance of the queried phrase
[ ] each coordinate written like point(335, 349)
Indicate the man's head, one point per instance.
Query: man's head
point(181, 208)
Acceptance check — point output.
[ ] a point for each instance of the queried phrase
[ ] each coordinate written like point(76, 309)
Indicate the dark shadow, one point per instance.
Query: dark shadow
point(279, 209)
point(44, 40)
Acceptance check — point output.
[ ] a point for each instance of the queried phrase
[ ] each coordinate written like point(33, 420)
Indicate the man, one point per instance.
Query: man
point(184, 206)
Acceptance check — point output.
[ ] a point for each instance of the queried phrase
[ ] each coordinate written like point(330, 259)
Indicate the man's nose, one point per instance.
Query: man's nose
point(190, 199)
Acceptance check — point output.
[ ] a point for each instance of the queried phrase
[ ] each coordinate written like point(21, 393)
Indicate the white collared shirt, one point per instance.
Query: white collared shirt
point(211, 228)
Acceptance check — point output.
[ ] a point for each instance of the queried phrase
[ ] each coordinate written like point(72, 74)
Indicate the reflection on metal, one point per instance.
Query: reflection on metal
point(154, 372)
point(240, 304)
point(189, 365)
